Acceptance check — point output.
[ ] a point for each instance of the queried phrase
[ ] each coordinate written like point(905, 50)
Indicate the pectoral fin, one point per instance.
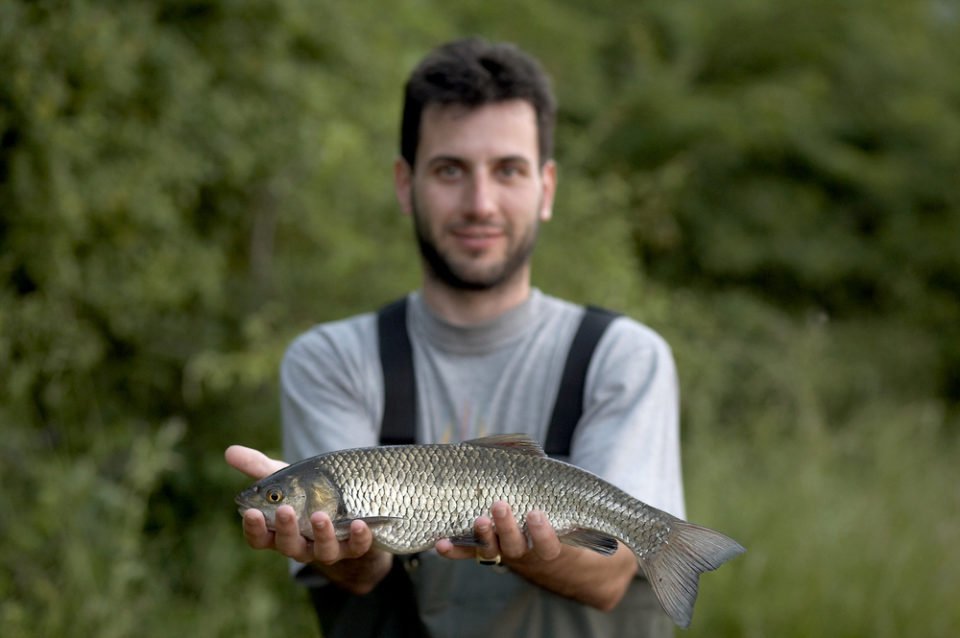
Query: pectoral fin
point(341, 526)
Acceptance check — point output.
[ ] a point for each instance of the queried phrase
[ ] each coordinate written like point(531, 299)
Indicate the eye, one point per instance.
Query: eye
point(448, 171)
point(274, 495)
point(510, 170)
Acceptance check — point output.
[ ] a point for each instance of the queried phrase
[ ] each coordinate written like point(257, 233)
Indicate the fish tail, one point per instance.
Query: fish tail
point(674, 568)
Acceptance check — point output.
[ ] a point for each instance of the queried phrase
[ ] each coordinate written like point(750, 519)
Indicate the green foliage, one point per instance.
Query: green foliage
point(848, 534)
point(187, 184)
point(79, 558)
point(806, 153)
point(82, 532)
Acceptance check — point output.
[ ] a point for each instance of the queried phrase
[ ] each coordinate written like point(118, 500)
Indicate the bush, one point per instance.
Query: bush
point(187, 184)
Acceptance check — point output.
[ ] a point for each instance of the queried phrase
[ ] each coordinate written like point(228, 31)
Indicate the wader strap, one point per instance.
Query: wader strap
point(568, 407)
point(400, 391)
point(399, 423)
point(390, 610)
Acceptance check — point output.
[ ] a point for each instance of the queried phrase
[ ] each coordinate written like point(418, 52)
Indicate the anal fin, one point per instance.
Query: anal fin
point(467, 539)
point(591, 539)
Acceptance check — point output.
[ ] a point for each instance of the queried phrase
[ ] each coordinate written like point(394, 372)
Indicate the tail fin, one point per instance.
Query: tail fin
point(674, 568)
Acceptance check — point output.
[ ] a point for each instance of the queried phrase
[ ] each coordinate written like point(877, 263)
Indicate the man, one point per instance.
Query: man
point(476, 176)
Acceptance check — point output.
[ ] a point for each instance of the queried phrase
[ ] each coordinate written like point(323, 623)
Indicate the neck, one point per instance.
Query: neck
point(470, 307)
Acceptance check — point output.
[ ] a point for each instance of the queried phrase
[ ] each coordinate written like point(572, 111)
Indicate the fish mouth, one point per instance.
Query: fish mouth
point(243, 501)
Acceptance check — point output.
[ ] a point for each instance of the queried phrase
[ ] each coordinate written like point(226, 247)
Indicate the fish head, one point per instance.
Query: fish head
point(306, 490)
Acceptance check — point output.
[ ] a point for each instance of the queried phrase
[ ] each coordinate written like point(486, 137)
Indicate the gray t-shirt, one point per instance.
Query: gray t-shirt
point(497, 377)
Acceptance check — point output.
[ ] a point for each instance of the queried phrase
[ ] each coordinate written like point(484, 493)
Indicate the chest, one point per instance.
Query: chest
point(508, 389)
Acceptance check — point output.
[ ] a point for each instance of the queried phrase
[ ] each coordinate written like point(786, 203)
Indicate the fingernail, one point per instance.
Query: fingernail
point(499, 510)
point(535, 519)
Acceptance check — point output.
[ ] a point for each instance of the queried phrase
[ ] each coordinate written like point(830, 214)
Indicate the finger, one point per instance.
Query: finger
point(455, 552)
point(326, 547)
point(288, 539)
point(487, 535)
point(253, 463)
point(546, 544)
point(512, 540)
point(447, 549)
point(360, 540)
point(255, 530)
point(483, 528)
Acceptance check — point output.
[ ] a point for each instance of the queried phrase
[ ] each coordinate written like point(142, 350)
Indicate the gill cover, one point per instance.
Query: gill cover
point(322, 493)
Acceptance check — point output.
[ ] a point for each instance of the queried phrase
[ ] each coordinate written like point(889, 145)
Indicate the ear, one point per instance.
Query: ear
point(548, 175)
point(403, 184)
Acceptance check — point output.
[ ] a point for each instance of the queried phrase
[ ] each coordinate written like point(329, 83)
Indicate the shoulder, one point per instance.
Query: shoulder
point(342, 345)
point(627, 349)
point(632, 358)
point(623, 335)
point(626, 332)
point(558, 316)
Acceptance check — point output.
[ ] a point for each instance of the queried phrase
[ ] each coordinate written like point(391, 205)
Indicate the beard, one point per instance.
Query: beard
point(465, 276)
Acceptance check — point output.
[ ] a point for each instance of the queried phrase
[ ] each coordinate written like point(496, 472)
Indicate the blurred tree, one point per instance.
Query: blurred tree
point(152, 159)
point(186, 184)
point(807, 153)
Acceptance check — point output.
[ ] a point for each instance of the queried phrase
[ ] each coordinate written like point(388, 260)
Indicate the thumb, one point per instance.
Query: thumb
point(251, 462)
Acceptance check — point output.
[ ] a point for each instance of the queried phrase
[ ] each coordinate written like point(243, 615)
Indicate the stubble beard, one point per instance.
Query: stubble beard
point(446, 271)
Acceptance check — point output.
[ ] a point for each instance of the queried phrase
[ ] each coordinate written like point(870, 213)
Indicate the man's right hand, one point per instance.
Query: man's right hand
point(353, 563)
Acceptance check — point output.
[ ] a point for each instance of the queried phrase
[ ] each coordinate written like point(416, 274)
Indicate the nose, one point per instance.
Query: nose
point(480, 197)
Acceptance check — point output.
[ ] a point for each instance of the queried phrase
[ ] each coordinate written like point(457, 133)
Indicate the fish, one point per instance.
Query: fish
point(411, 496)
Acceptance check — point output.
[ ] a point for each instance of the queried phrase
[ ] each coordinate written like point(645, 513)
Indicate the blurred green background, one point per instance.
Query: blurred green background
point(185, 185)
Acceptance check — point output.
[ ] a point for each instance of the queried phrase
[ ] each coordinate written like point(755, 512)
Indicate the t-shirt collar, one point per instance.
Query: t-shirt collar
point(477, 338)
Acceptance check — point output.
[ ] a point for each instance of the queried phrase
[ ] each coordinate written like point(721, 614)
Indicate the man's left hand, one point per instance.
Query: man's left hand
point(539, 557)
point(503, 537)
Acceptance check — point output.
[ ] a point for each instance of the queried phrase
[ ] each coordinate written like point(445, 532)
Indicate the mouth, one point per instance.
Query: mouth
point(477, 238)
point(243, 502)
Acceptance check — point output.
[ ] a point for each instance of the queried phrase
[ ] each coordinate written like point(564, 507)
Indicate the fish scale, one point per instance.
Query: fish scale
point(411, 496)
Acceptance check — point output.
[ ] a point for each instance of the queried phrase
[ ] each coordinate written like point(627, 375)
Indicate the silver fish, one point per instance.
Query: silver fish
point(413, 495)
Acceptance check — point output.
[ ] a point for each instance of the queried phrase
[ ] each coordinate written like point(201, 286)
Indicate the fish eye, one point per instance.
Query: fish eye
point(274, 495)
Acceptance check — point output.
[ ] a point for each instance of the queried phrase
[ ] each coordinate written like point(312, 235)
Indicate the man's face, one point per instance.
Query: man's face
point(477, 192)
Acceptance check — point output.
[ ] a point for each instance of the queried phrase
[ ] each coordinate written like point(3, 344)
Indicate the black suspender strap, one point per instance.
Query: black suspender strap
point(568, 408)
point(399, 423)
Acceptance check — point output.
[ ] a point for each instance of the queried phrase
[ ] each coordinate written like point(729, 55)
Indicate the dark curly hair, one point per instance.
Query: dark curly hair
point(473, 72)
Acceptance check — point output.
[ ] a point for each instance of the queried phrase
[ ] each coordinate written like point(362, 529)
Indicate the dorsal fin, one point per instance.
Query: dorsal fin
point(519, 443)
